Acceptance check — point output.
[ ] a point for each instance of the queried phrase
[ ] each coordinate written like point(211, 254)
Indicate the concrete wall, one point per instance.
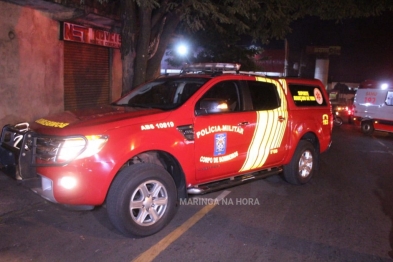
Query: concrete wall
point(31, 65)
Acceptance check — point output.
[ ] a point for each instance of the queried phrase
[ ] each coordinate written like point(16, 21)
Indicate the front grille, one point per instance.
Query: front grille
point(30, 149)
point(22, 151)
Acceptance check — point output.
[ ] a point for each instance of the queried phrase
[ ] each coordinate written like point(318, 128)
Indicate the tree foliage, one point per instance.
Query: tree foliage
point(208, 46)
point(149, 25)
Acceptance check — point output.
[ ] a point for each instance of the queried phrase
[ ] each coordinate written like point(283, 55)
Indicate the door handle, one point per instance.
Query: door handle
point(281, 118)
point(245, 123)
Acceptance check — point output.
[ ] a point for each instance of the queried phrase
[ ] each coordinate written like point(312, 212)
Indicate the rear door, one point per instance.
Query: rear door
point(268, 145)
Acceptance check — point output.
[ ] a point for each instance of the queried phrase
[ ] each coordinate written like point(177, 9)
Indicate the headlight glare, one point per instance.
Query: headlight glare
point(68, 182)
point(77, 148)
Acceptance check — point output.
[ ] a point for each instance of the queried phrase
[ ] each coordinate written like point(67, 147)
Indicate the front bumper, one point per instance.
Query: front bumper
point(16, 152)
point(30, 158)
point(43, 186)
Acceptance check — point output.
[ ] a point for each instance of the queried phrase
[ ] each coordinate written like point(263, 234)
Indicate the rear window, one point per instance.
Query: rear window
point(305, 95)
point(264, 95)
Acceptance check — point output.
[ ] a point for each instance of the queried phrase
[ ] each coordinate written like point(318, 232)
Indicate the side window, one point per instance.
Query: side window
point(264, 96)
point(389, 99)
point(227, 92)
point(304, 95)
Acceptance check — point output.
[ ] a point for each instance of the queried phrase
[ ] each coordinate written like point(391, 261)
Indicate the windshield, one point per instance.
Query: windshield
point(163, 93)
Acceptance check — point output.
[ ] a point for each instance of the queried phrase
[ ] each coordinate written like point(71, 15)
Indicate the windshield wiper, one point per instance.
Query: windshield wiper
point(161, 107)
point(132, 105)
point(138, 105)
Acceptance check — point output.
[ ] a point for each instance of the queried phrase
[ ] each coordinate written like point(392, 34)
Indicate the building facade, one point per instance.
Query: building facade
point(51, 62)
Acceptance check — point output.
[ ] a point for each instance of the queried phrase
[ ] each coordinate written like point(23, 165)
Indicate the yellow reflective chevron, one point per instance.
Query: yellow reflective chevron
point(45, 122)
point(268, 134)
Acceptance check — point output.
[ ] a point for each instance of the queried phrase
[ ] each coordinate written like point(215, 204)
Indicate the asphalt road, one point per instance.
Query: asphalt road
point(344, 214)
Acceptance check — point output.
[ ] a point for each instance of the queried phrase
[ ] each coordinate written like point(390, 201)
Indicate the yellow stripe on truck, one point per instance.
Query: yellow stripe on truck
point(269, 133)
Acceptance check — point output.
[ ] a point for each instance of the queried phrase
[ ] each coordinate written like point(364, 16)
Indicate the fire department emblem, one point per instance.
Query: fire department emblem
point(220, 144)
point(318, 96)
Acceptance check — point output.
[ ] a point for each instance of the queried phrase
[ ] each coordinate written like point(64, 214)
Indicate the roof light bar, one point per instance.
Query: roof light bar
point(210, 67)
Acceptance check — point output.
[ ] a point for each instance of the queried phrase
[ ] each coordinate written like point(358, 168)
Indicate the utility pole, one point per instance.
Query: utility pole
point(286, 58)
point(322, 54)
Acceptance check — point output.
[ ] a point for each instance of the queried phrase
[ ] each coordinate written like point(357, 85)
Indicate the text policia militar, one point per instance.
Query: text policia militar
point(216, 129)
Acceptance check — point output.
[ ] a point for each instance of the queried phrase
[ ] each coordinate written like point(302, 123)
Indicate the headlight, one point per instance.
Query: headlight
point(77, 148)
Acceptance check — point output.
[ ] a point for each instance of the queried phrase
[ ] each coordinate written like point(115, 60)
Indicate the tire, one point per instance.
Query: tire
point(142, 200)
point(367, 127)
point(303, 164)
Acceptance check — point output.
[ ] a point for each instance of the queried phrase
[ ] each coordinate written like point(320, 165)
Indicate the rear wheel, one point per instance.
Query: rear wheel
point(142, 200)
point(303, 164)
point(367, 127)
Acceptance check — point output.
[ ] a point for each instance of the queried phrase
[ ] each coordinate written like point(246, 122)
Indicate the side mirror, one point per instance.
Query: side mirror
point(211, 106)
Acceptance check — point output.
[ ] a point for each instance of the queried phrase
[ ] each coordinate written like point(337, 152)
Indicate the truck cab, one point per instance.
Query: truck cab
point(209, 128)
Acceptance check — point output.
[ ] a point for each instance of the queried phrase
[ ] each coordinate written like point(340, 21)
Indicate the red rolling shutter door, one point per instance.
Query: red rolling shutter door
point(86, 75)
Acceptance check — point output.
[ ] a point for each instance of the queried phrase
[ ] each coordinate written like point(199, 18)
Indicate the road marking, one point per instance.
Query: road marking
point(387, 148)
point(155, 250)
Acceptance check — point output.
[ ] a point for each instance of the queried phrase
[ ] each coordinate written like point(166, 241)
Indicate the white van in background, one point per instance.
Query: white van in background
point(373, 109)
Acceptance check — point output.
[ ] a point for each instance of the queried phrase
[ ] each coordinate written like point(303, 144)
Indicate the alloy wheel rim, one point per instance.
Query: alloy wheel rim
point(148, 203)
point(305, 164)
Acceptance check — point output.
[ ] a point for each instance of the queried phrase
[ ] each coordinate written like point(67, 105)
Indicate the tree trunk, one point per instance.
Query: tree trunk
point(142, 48)
point(154, 64)
point(128, 34)
point(128, 72)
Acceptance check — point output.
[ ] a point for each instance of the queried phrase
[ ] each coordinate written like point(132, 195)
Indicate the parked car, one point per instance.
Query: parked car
point(209, 128)
point(343, 111)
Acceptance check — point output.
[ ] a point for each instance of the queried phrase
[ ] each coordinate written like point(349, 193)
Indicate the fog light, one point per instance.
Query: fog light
point(67, 182)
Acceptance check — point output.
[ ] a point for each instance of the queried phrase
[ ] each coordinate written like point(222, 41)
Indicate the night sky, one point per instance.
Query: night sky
point(366, 47)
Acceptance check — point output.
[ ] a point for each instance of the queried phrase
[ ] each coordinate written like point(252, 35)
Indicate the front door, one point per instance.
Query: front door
point(239, 140)
point(222, 139)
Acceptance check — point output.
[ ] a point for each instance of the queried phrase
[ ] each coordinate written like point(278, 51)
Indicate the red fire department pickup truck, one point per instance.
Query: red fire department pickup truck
point(197, 132)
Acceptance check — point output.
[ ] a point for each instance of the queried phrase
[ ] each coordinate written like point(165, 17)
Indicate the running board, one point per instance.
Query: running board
point(233, 181)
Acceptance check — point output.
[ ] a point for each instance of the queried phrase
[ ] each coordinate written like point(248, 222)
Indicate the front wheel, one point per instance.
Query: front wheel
point(367, 127)
point(303, 164)
point(142, 200)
